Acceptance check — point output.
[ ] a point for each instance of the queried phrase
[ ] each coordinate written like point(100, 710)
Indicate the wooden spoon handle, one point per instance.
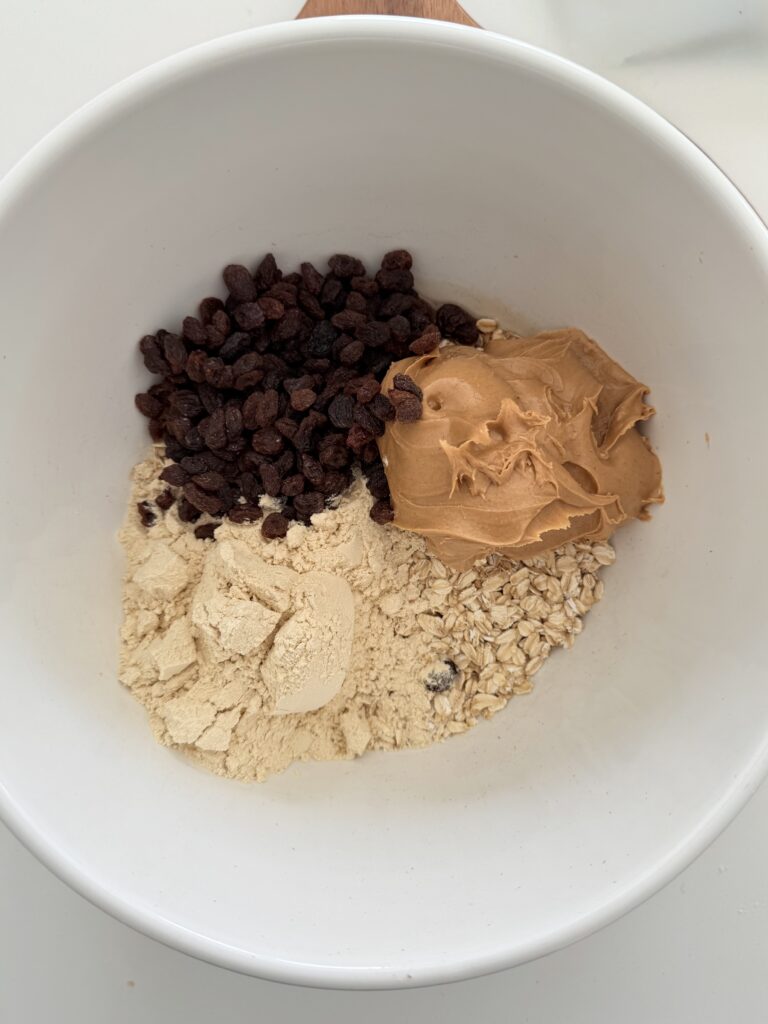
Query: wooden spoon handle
point(438, 10)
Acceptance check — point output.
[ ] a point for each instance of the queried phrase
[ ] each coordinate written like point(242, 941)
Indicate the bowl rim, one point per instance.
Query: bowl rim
point(142, 85)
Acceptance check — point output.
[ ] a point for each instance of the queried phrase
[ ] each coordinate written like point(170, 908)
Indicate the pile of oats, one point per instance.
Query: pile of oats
point(501, 619)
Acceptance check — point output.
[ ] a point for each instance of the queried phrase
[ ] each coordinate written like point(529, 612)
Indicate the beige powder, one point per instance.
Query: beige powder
point(226, 642)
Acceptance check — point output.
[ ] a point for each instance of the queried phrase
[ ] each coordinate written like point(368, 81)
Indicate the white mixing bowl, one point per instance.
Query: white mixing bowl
point(525, 186)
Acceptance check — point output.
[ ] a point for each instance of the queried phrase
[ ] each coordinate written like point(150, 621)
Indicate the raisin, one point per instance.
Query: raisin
point(188, 513)
point(311, 305)
point(333, 295)
point(218, 374)
point(348, 320)
point(239, 282)
point(268, 441)
point(397, 259)
point(402, 382)
point(408, 411)
point(196, 366)
point(400, 329)
point(248, 513)
point(456, 323)
point(302, 399)
point(208, 307)
point(201, 500)
point(340, 411)
point(333, 483)
point(309, 503)
point(292, 485)
point(146, 513)
point(165, 500)
point(375, 333)
point(365, 286)
point(381, 512)
point(377, 483)
point(395, 280)
point(368, 421)
point(175, 475)
point(213, 430)
point(367, 389)
point(288, 327)
point(271, 479)
point(351, 353)
point(427, 342)
point(274, 526)
point(382, 408)
point(148, 406)
point(312, 279)
point(312, 470)
point(260, 409)
point(153, 356)
point(206, 531)
point(267, 273)
point(209, 480)
point(193, 330)
point(272, 309)
point(346, 266)
point(287, 427)
point(358, 437)
point(442, 679)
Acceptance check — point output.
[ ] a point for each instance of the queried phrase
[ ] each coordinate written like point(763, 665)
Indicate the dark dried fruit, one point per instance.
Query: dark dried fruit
point(250, 315)
point(165, 500)
point(288, 327)
point(247, 513)
point(312, 278)
point(292, 485)
point(267, 273)
point(442, 679)
point(335, 456)
point(402, 382)
point(382, 513)
point(272, 309)
point(400, 329)
point(346, 266)
point(397, 259)
point(377, 482)
point(340, 411)
point(312, 470)
point(311, 305)
point(382, 408)
point(302, 399)
point(175, 475)
point(187, 511)
point(365, 285)
point(193, 330)
point(196, 366)
point(274, 526)
point(456, 323)
point(201, 500)
point(426, 342)
point(309, 503)
point(358, 437)
point(408, 411)
point(268, 441)
point(146, 513)
point(239, 282)
point(154, 359)
point(366, 389)
point(148, 406)
point(260, 409)
point(351, 353)
point(271, 478)
point(334, 483)
point(210, 480)
point(395, 280)
point(208, 307)
point(213, 430)
point(206, 531)
point(375, 333)
point(368, 421)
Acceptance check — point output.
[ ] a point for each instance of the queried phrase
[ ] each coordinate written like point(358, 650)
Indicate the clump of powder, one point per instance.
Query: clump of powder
point(251, 654)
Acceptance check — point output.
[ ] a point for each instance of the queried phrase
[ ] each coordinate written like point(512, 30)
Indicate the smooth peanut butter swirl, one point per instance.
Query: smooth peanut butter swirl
point(523, 446)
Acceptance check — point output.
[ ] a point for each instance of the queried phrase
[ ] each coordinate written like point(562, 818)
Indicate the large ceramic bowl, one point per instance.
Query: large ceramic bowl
point(526, 187)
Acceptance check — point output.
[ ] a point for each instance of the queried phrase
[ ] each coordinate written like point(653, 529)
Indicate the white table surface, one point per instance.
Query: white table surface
point(696, 952)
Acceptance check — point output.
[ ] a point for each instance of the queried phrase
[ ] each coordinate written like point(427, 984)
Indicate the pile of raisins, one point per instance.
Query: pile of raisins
point(276, 389)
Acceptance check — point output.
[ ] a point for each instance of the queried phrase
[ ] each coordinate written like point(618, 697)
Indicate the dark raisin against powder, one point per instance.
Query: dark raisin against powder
point(274, 526)
point(146, 513)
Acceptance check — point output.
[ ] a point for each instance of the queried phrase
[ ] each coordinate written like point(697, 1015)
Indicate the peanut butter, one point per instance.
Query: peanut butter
point(522, 446)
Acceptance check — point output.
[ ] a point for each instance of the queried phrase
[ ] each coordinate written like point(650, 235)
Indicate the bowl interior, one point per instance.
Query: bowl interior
point(525, 188)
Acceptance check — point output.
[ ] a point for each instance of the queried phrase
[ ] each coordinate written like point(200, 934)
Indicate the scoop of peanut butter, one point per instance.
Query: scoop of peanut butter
point(522, 446)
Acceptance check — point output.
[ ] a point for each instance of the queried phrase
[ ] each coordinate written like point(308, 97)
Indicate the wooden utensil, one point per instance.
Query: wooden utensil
point(438, 10)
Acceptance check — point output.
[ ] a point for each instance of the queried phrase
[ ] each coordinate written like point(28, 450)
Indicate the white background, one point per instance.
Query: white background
point(698, 951)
